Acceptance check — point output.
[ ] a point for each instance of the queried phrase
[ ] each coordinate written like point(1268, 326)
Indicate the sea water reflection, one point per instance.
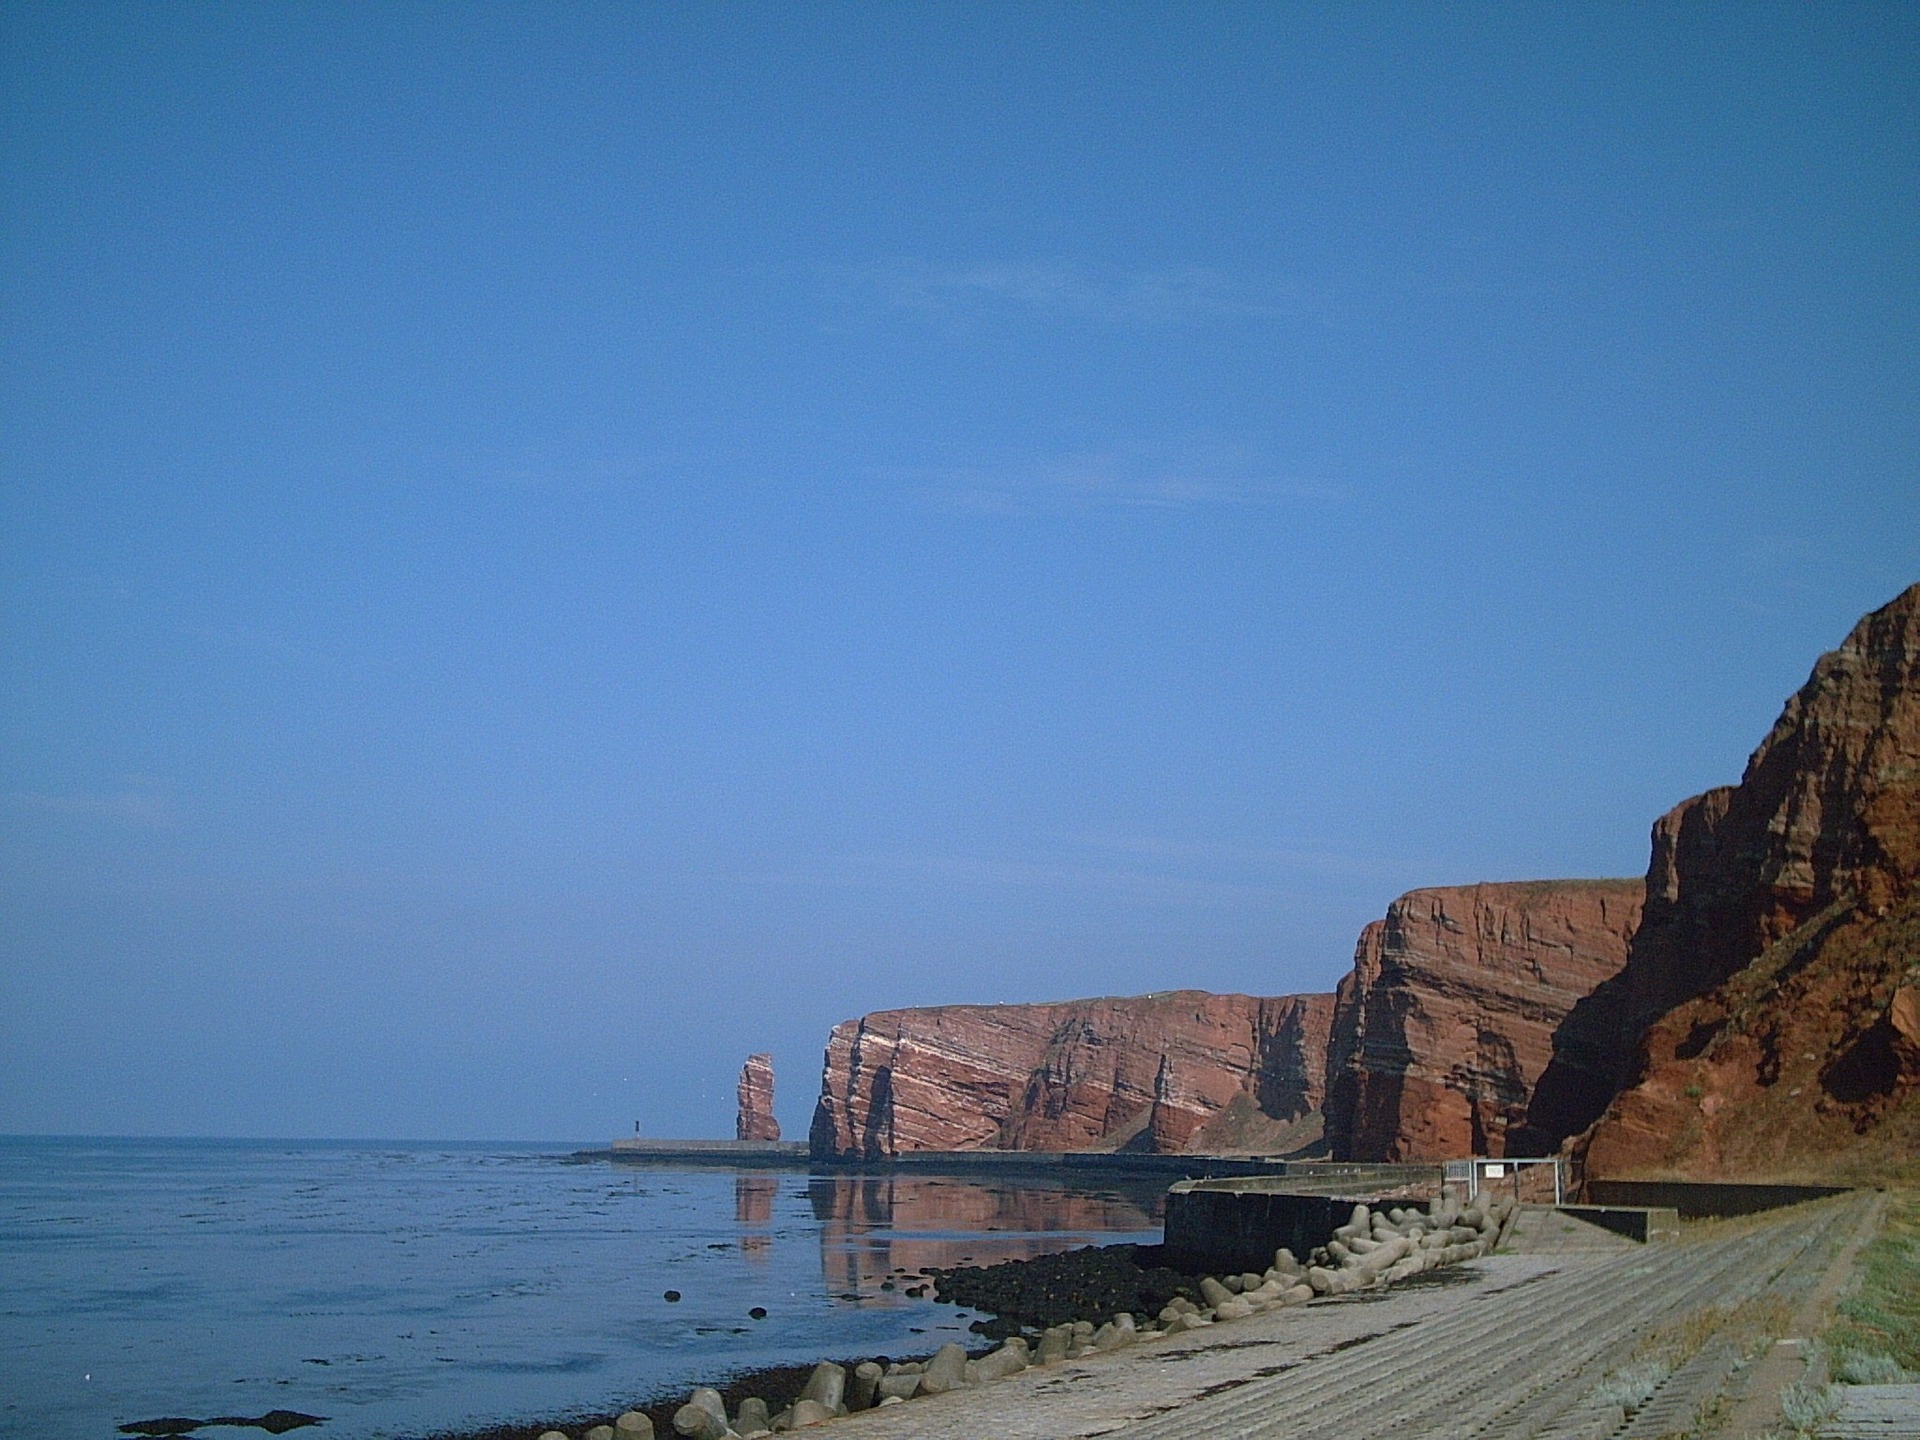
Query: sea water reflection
point(401, 1289)
point(879, 1227)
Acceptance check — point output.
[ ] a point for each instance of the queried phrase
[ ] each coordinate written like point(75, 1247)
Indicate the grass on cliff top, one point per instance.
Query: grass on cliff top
point(1875, 1336)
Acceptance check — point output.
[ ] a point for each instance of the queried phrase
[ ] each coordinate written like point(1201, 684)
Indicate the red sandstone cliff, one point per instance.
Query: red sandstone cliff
point(1447, 1018)
point(1768, 1019)
point(754, 1119)
point(1184, 1070)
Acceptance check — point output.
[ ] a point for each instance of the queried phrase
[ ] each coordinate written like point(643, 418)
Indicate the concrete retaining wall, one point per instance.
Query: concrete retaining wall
point(1702, 1200)
point(1226, 1227)
point(1640, 1223)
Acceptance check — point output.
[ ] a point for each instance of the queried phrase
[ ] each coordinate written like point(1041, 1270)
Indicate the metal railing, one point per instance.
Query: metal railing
point(1478, 1171)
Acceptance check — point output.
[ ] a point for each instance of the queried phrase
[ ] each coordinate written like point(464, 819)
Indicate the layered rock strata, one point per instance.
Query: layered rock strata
point(1180, 1071)
point(1448, 1016)
point(1765, 1022)
point(754, 1119)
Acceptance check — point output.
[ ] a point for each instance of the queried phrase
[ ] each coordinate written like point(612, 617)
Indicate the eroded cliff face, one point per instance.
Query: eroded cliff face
point(1447, 1019)
point(754, 1118)
point(1763, 1023)
point(1184, 1070)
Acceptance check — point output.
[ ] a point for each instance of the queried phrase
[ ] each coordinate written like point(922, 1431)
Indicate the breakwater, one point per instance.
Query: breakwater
point(758, 1154)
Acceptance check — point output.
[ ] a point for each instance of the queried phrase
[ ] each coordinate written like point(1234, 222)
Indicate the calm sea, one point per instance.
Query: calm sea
point(406, 1288)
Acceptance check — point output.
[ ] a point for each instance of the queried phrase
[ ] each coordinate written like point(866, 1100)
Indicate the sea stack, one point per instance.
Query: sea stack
point(755, 1118)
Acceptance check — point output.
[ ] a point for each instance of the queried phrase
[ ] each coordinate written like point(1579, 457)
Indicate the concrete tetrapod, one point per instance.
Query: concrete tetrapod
point(864, 1387)
point(897, 1387)
point(703, 1417)
point(827, 1385)
point(805, 1413)
point(1374, 1248)
point(946, 1371)
point(1009, 1359)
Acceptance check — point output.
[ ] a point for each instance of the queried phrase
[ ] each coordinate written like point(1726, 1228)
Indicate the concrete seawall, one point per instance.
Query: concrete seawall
point(1220, 1227)
point(1231, 1224)
point(1703, 1200)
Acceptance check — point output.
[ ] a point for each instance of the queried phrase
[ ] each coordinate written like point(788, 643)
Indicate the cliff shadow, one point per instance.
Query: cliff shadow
point(1581, 1079)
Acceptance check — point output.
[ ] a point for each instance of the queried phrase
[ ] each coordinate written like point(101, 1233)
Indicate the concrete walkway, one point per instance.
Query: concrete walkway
point(1514, 1345)
point(1876, 1412)
point(1756, 1405)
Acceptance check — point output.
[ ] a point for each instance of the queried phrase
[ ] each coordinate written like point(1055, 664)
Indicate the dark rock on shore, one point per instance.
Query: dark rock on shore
point(1095, 1281)
point(778, 1385)
point(274, 1422)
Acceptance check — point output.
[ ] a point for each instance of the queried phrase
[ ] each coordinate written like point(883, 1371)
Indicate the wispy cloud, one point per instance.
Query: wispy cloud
point(950, 872)
point(1218, 856)
point(1121, 479)
point(141, 804)
point(1145, 869)
point(1062, 290)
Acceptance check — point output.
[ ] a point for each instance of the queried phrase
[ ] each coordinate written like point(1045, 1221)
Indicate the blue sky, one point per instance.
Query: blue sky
point(545, 548)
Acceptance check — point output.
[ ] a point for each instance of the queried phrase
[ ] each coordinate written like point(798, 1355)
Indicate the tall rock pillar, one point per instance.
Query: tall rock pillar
point(755, 1119)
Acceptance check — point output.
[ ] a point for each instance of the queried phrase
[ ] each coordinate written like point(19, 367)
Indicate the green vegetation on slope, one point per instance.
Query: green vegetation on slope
point(1875, 1336)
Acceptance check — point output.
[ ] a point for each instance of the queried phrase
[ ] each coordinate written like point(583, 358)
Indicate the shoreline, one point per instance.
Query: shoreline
point(783, 1381)
point(1080, 1283)
point(1532, 1341)
point(1055, 1164)
point(1079, 1273)
point(1095, 1300)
